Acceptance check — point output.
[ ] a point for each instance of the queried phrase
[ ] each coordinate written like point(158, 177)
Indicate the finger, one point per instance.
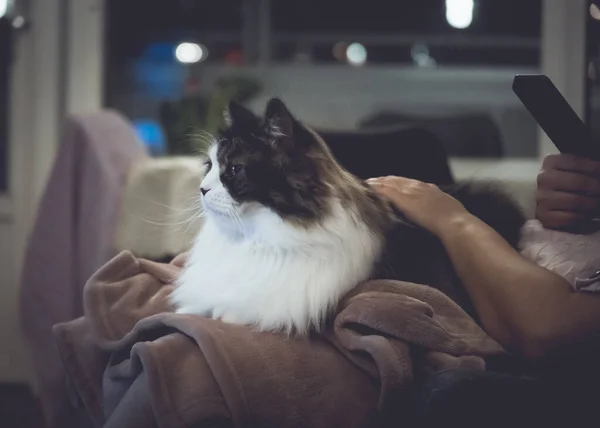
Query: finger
point(560, 220)
point(571, 163)
point(388, 182)
point(380, 180)
point(550, 200)
point(399, 181)
point(384, 188)
point(569, 182)
point(374, 183)
point(391, 193)
point(376, 187)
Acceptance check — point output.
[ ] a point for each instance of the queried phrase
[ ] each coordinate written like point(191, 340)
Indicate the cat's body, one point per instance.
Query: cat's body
point(277, 276)
point(288, 231)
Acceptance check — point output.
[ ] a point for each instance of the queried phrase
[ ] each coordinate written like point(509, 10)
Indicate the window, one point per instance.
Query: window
point(593, 72)
point(496, 33)
point(506, 18)
point(5, 60)
point(442, 64)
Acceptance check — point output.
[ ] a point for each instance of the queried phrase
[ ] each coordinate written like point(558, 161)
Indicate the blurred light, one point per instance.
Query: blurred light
point(190, 53)
point(157, 80)
point(18, 22)
point(595, 12)
point(356, 54)
point(234, 56)
point(459, 13)
point(5, 6)
point(339, 51)
point(151, 134)
point(302, 57)
point(421, 56)
point(591, 71)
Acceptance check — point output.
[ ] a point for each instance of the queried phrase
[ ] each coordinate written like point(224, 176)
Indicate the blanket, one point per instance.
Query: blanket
point(131, 362)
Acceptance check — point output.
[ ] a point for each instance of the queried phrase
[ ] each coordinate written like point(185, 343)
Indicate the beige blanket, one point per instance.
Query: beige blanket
point(133, 363)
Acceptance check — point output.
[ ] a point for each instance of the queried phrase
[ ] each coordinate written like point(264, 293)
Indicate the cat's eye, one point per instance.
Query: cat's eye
point(235, 169)
point(208, 165)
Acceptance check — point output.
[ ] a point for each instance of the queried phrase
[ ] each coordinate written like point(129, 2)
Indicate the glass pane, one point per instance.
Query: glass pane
point(506, 17)
point(439, 56)
point(494, 33)
point(135, 25)
point(446, 65)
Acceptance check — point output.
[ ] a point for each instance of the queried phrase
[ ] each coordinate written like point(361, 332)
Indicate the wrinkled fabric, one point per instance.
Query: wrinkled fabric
point(133, 363)
point(574, 257)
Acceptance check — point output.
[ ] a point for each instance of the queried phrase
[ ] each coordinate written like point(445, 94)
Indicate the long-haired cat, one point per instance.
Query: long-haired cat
point(288, 231)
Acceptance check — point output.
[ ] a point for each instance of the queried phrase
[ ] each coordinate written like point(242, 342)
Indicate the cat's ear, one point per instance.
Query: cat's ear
point(279, 122)
point(240, 117)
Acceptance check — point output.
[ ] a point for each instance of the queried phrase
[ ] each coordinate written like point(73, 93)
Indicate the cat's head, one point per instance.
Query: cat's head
point(272, 163)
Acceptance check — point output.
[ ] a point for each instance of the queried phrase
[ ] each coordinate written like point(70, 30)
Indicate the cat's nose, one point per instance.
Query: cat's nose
point(203, 191)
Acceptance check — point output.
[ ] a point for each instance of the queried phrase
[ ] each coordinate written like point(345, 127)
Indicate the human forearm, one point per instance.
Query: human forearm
point(524, 306)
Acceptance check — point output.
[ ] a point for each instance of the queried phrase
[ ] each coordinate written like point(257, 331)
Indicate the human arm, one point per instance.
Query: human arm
point(522, 305)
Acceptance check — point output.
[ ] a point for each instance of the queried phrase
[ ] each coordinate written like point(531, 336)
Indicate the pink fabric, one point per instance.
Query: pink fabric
point(571, 256)
point(72, 237)
point(135, 364)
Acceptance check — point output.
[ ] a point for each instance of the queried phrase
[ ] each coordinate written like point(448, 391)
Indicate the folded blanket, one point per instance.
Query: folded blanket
point(133, 363)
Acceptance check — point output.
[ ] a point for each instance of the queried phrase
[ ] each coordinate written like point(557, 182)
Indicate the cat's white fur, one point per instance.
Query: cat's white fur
point(249, 266)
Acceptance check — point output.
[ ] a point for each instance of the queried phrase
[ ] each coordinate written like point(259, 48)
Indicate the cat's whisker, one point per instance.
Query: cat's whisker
point(191, 212)
point(206, 135)
point(238, 221)
point(177, 210)
point(201, 141)
point(169, 224)
point(233, 215)
point(189, 225)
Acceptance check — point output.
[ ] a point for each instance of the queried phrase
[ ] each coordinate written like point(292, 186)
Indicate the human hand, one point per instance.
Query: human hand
point(568, 192)
point(422, 203)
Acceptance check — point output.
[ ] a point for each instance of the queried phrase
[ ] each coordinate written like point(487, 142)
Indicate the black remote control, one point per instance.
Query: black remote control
point(555, 116)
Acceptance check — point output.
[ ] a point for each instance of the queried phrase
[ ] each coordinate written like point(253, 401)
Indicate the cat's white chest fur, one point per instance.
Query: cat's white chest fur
point(276, 276)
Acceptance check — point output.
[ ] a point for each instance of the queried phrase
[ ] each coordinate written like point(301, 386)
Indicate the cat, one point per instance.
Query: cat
point(288, 231)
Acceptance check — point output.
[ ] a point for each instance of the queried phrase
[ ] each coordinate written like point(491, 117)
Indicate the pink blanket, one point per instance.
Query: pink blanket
point(131, 362)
